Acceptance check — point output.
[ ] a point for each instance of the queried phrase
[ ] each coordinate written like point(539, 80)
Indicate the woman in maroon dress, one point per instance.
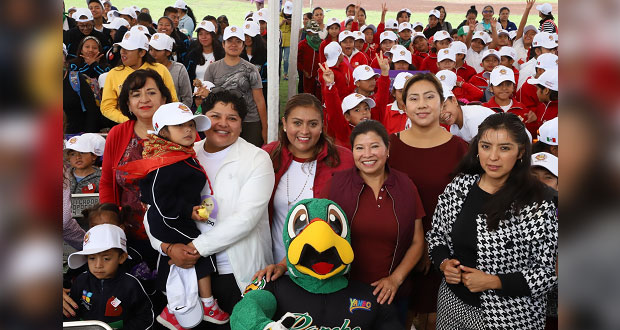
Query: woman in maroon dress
point(428, 154)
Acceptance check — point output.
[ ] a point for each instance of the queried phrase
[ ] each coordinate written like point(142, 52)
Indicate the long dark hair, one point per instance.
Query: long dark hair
point(136, 80)
point(148, 58)
point(521, 187)
point(123, 214)
point(190, 13)
point(305, 100)
point(444, 10)
point(472, 10)
point(79, 59)
point(195, 50)
point(258, 46)
point(547, 17)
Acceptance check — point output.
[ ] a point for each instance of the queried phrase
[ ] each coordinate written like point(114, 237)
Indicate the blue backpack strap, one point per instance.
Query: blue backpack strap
point(74, 79)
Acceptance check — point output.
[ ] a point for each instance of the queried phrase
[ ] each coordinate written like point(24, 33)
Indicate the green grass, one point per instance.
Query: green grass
point(236, 11)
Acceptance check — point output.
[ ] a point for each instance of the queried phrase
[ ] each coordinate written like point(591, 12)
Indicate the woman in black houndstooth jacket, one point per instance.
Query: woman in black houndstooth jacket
point(494, 235)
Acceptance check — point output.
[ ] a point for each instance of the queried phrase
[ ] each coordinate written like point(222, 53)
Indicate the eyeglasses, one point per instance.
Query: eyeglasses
point(487, 12)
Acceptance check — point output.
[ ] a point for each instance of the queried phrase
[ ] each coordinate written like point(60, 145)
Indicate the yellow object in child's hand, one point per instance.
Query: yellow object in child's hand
point(203, 213)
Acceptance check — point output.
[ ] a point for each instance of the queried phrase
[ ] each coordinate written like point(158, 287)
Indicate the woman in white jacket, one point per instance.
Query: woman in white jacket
point(241, 181)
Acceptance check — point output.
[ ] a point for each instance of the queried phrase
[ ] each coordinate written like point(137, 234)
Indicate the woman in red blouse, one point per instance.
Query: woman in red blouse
point(428, 154)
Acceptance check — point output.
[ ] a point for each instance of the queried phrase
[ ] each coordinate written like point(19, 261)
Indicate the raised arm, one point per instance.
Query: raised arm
point(494, 38)
point(526, 13)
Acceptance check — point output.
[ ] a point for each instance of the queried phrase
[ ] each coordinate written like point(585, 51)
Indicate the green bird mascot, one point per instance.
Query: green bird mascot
point(316, 295)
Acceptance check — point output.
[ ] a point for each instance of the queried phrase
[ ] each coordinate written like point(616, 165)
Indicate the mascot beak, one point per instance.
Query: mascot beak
point(319, 251)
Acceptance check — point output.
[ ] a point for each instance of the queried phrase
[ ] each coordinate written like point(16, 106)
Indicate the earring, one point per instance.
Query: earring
point(285, 130)
point(477, 156)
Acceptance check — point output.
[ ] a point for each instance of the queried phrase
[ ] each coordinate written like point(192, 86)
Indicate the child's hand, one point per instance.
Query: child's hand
point(384, 63)
point(68, 305)
point(196, 214)
point(328, 74)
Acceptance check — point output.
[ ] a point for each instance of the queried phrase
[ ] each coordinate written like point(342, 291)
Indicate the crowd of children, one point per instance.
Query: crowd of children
point(358, 70)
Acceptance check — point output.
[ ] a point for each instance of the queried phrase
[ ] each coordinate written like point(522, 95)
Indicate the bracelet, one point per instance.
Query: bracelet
point(168, 249)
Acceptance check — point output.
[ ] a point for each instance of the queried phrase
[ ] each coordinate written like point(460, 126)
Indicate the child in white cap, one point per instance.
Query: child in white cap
point(490, 60)
point(502, 85)
point(394, 117)
point(441, 40)
point(461, 89)
point(333, 31)
point(161, 49)
point(420, 49)
point(343, 77)
point(545, 168)
point(81, 152)
point(347, 42)
point(527, 93)
point(103, 292)
point(547, 138)
point(508, 56)
point(171, 183)
point(387, 40)
point(547, 92)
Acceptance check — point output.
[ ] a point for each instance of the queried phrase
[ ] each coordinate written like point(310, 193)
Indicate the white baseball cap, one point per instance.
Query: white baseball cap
point(133, 41)
point(261, 15)
point(251, 28)
point(508, 52)
point(140, 28)
point(391, 24)
point(400, 79)
point(116, 23)
point(404, 26)
point(446, 54)
point(233, 31)
point(79, 12)
point(549, 79)
point(546, 160)
point(180, 4)
point(363, 72)
point(353, 99)
point(87, 142)
point(176, 113)
point(135, 8)
point(129, 12)
point(417, 35)
point(182, 295)
point(288, 8)
point(359, 35)
point(441, 35)
point(331, 22)
point(482, 36)
point(490, 52)
point(501, 74)
point(548, 132)
point(112, 14)
point(64, 49)
point(98, 239)
point(345, 34)
point(416, 24)
point(545, 8)
point(395, 49)
point(458, 47)
point(369, 26)
point(206, 84)
point(405, 10)
point(389, 35)
point(400, 54)
point(332, 52)
point(161, 41)
point(545, 40)
point(502, 31)
point(547, 61)
point(435, 13)
point(512, 34)
point(447, 78)
point(205, 25)
point(530, 28)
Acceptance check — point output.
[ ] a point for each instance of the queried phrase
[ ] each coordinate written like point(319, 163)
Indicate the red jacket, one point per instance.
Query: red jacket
point(393, 121)
point(517, 108)
point(115, 146)
point(466, 72)
point(479, 80)
point(467, 91)
point(358, 59)
point(417, 58)
point(516, 73)
point(343, 77)
point(430, 63)
point(337, 126)
point(527, 96)
point(307, 59)
point(323, 175)
point(546, 112)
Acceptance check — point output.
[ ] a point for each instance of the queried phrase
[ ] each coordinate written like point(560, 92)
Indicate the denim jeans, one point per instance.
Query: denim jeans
point(285, 53)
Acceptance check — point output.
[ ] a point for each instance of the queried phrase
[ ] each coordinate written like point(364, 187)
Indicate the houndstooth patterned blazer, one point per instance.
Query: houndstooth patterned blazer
point(525, 243)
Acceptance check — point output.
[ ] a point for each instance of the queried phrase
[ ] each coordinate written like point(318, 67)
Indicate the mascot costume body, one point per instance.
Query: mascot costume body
point(316, 295)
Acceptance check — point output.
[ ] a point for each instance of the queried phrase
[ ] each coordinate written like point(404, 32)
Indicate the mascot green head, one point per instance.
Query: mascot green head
point(317, 239)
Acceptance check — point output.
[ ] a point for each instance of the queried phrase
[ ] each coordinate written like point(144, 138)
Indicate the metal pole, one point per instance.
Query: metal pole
point(292, 67)
point(273, 77)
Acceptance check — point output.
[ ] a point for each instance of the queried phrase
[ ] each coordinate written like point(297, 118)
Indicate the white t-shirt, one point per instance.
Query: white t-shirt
point(299, 179)
point(212, 162)
point(519, 47)
point(323, 33)
point(506, 107)
point(528, 70)
point(201, 69)
point(394, 107)
point(473, 115)
point(474, 59)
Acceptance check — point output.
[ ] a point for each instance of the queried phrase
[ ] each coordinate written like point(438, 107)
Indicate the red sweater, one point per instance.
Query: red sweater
point(115, 146)
point(323, 175)
point(479, 80)
point(546, 112)
point(358, 59)
point(466, 72)
point(307, 59)
point(467, 91)
point(527, 96)
point(337, 126)
point(517, 108)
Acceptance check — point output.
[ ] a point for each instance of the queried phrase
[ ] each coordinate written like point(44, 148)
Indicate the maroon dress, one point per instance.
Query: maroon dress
point(430, 170)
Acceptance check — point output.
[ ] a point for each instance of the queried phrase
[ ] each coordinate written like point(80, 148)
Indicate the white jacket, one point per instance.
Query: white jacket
point(242, 187)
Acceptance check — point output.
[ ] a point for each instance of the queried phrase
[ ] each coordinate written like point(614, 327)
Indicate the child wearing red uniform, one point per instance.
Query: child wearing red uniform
point(547, 92)
point(503, 86)
point(527, 93)
point(308, 58)
point(387, 40)
point(490, 60)
point(419, 49)
point(343, 78)
point(462, 69)
point(507, 57)
point(333, 29)
point(393, 116)
point(354, 57)
point(441, 40)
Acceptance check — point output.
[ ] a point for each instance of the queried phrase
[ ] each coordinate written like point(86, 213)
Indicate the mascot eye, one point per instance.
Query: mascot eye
point(298, 220)
point(337, 220)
